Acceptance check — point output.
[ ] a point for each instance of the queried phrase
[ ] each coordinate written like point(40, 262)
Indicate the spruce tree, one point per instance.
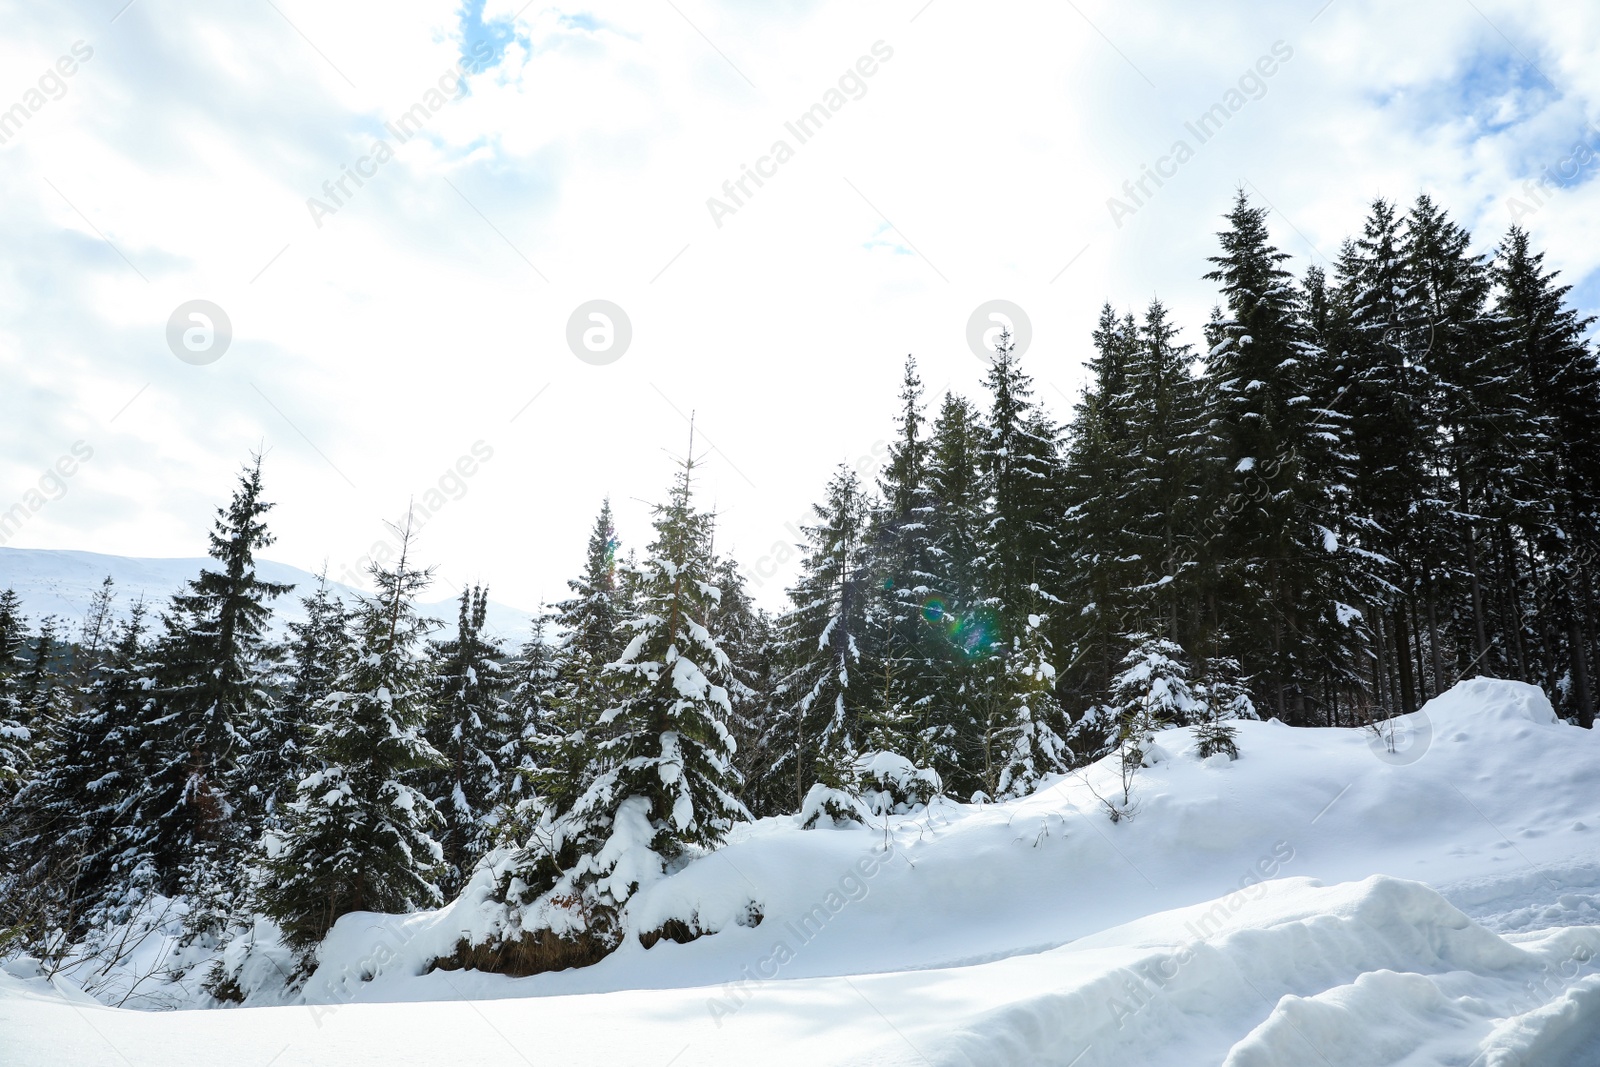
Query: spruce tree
point(316, 649)
point(1028, 746)
point(956, 612)
point(826, 689)
point(215, 659)
point(43, 685)
point(14, 736)
point(69, 827)
point(1482, 500)
point(1547, 337)
point(359, 834)
point(1282, 581)
point(590, 621)
point(531, 701)
point(904, 577)
point(1021, 478)
point(663, 785)
point(468, 725)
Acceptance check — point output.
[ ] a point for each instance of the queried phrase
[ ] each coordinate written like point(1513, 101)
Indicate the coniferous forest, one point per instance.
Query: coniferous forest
point(1368, 483)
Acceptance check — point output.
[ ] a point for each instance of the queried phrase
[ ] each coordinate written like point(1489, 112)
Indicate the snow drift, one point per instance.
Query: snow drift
point(1424, 893)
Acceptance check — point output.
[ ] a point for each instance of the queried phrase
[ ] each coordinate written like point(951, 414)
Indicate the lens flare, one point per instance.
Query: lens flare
point(972, 632)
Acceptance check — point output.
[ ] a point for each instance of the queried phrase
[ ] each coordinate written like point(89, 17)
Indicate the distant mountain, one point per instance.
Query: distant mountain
point(62, 583)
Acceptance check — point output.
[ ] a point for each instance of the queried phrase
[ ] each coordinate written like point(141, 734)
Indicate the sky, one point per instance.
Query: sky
point(406, 337)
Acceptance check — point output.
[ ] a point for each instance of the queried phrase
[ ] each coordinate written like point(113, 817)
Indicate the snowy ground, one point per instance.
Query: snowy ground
point(1322, 900)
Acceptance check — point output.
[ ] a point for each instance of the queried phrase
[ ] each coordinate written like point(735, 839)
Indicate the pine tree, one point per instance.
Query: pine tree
point(468, 725)
point(358, 836)
point(1152, 693)
point(664, 785)
point(69, 826)
point(531, 702)
point(1028, 746)
point(903, 578)
point(826, 689)
point(215, 659)
point(316, 650)
point(1546, 338)
point(1282, 579)
point(956, 612)
point(590, 621)
point(14, 736)
point(1021, 478)
point(744, 632)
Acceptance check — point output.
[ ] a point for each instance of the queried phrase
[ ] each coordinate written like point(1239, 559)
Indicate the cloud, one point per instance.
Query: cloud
point(429, 311)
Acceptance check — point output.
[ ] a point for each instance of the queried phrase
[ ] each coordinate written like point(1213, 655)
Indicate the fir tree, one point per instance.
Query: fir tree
point(14, 736)
point(1098, 569)
point(955, 611)
point(590, 621)
point(1028, 747)
point(664, 784)
point(531, 701)
point(826, 688)
point(1546, 337)
point(744, 632)
point(1279, 550)
point(358, 836)
point(1021, 478)
point(213, 695)
point(904, 577)
point(468, 725)
point(316, 650)
point(69, 826)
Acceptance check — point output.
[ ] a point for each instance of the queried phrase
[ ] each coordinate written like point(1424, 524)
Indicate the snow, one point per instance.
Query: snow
point(1316, 901)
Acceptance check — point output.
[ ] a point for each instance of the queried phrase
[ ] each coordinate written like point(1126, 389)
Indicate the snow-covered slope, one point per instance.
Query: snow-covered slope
point(62, 583)
point(1328, 898)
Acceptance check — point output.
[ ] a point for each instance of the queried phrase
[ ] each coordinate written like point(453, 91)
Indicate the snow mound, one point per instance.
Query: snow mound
point(1324, 891)
point(1491, 699)
point(1381, 971)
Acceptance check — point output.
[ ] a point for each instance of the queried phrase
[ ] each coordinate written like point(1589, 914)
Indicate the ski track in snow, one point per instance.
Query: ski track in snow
point(1441, 911)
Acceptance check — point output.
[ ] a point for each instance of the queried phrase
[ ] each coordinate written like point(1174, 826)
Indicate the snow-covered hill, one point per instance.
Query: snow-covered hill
point(62, 583)
point(1333, 897)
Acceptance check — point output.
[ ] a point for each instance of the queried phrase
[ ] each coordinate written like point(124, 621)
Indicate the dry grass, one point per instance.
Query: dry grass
point(532, 953)
point(672, 930)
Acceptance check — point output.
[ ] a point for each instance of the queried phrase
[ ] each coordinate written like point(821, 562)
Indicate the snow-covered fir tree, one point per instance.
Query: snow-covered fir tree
point(214, 658)
point(662, 785)
point(69, 831)
point(469, 725)
point(530, 708)
point(1027, 746)
point(827, 688)
point(14, 736)
point(955, 611)
point(316, 650)
point(904, 578)
point(359, 834)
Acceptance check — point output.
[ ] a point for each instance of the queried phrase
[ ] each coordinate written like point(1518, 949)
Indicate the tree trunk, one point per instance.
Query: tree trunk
point(1439, 684)
point(1480, 642)
point(1402, 659)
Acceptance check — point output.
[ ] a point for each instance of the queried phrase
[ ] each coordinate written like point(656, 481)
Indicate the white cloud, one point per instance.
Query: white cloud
point(381, 346)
